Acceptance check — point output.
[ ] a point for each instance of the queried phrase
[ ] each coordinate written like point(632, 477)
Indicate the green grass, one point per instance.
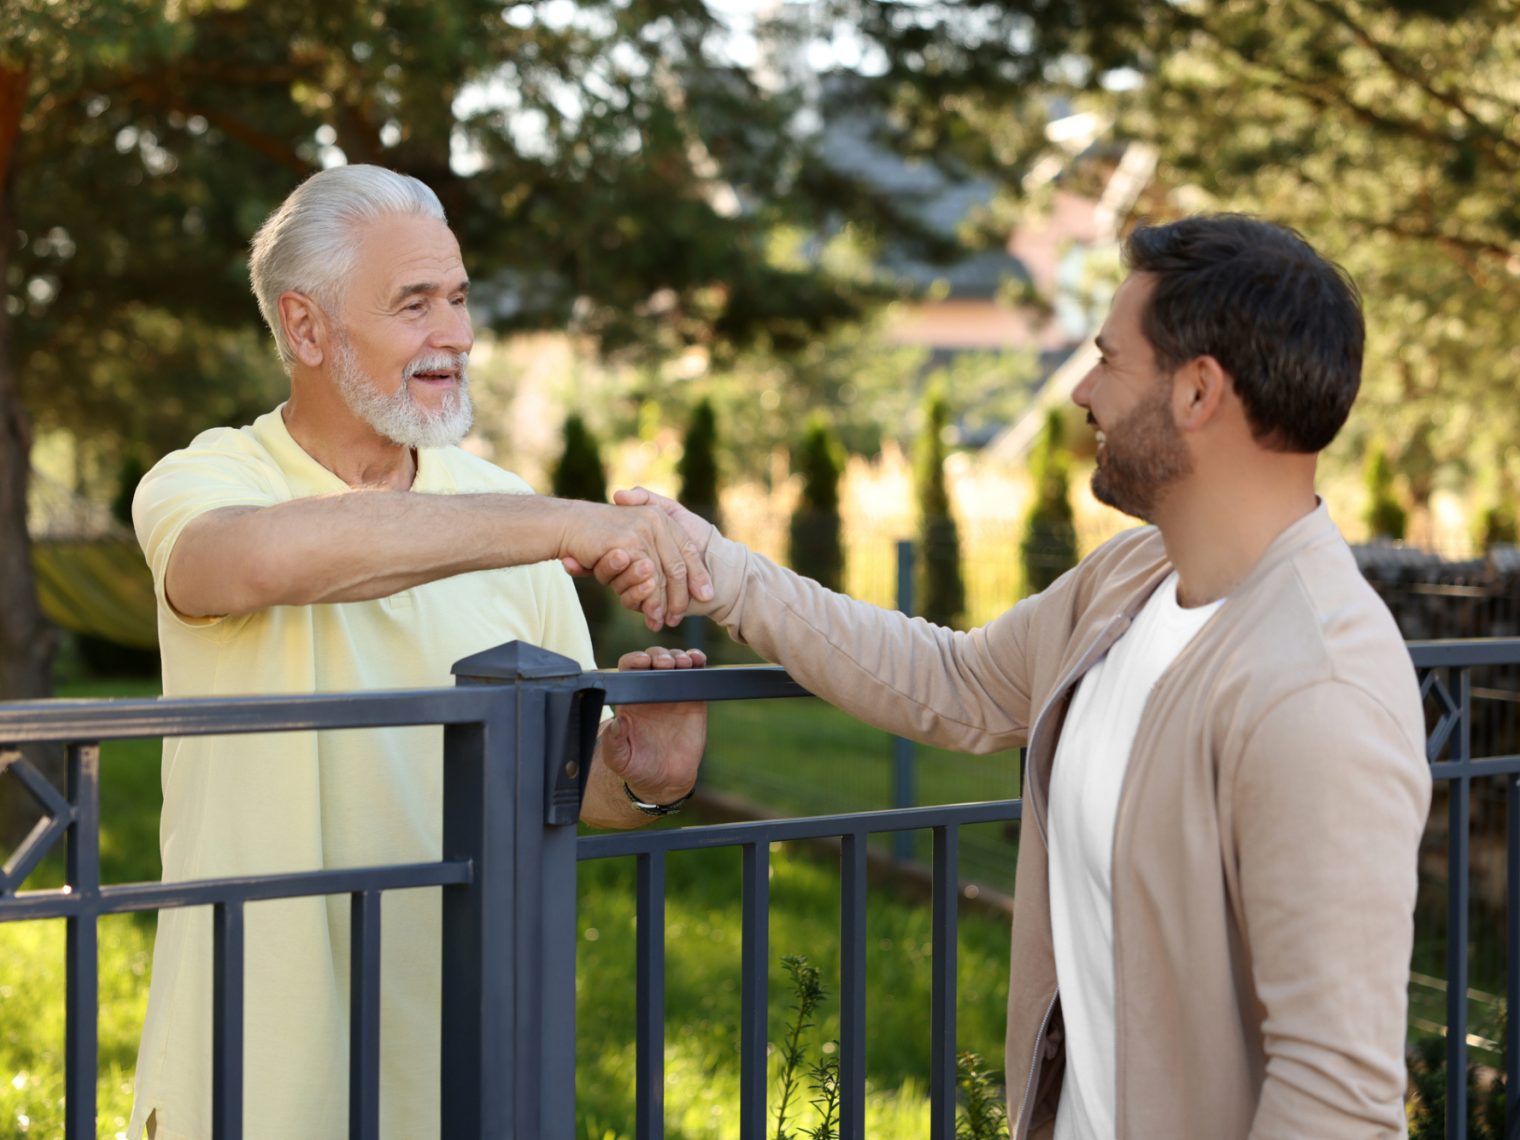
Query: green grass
point(702, 1075)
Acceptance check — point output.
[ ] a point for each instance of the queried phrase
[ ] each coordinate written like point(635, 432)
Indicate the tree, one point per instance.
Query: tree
point(611, 169)
point(816, 541)
point(1384, 517)
point(1389, 133)
point(1049, 546)
point(698, 466)
point(940, 592)
point(579, 474)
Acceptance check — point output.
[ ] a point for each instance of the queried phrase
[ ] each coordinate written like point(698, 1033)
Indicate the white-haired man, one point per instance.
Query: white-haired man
point(343, 542)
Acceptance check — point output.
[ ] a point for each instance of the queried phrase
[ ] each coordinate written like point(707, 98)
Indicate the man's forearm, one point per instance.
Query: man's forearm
point(354, 546)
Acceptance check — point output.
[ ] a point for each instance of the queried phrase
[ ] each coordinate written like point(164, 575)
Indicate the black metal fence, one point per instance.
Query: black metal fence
point(518, 731)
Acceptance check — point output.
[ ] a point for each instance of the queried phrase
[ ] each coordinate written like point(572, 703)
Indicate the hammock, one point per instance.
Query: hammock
point(97, 586)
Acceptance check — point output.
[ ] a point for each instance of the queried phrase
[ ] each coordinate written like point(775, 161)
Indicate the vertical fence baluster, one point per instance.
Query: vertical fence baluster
point(942, 1009)
point(1512, 967)
point(1457, 918)
point(82, 982)
point(649, 1107)
point(753, 991)
point(852, 987)
point(364, 1016)
point(227, 1020)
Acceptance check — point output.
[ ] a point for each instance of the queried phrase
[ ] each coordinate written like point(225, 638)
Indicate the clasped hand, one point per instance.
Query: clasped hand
point(656, 563)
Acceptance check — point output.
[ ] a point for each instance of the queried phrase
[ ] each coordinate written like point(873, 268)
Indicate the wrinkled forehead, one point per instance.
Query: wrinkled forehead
point(404, 255)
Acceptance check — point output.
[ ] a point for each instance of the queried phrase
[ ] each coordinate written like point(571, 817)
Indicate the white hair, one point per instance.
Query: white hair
point(309, 244)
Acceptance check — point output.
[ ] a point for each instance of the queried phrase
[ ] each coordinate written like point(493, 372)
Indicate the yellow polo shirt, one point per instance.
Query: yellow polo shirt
point(237, 805)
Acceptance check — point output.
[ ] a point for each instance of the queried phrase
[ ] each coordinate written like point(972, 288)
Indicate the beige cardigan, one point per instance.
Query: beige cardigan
point(1266, 839)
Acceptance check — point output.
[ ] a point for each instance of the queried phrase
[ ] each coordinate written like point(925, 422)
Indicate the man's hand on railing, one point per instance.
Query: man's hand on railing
point(653, 749)
point(648, 550)
point(633, 587)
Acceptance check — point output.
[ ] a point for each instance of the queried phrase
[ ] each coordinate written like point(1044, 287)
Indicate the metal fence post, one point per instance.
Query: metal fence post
point(902, 750)
point(508, 1061)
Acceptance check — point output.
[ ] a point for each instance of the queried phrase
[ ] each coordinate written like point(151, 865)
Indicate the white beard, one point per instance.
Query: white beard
point(398, 417)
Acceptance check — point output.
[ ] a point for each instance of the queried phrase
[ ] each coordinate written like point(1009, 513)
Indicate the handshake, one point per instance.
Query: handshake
point(649, 549)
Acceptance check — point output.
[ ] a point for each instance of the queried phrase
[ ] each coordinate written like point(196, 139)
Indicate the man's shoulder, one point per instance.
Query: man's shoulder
point(470, 473)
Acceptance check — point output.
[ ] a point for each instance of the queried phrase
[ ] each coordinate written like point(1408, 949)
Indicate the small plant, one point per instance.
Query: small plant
point(980, 1116)
point(807, 994)
point(983, 1115)
point(824, 1079)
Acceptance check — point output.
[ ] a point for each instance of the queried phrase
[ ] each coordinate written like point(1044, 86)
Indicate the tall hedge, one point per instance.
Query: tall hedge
point(817, 545)
point(1384, 517)
point(1049, 546)
point(939, 593)
point(579, 474)
point(698, 468)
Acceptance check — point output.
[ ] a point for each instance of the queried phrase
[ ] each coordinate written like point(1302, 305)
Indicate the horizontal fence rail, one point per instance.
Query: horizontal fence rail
point(518, 732)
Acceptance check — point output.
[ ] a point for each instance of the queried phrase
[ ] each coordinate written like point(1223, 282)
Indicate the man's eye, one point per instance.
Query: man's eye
point(416, 306)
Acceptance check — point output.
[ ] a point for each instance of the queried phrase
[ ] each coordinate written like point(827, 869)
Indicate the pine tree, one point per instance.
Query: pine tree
point(1384, 517)
point(940, 593)
point(817, 547)
point(698, 468)
point(579, 474)
point(1049, 546)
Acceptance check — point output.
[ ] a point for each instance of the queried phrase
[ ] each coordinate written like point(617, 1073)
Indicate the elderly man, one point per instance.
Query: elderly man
point(1225, 781)
point(343, 542)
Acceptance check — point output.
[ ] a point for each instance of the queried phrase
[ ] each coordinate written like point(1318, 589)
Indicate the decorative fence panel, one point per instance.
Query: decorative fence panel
point(518, 733)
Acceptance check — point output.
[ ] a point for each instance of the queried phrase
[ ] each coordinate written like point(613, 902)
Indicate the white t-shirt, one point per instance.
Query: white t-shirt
point(1090, 763)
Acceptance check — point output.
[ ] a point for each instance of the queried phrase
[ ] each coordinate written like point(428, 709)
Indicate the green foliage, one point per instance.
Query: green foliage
point(1497, 525)
point(698, 466)
point(1049, 546)
point(1389, 135)
point(1427, 1105)
point(807, 994)
point(984, 1112)
point(940, 593)
point(1384, 517)
point(816, 532)
point(579, 474)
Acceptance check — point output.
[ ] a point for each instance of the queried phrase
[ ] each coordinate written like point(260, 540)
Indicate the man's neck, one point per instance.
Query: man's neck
point(1216, 531)
point(347, 446)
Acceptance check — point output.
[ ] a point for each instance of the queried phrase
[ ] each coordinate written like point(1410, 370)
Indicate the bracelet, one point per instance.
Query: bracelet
point(654, 809)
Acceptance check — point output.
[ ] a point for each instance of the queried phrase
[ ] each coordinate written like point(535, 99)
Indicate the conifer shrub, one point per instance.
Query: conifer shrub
point(1049, 546)
point(816, 535)
point(940, 591)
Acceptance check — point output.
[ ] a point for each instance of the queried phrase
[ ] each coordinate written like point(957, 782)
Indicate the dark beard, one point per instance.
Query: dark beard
point(1144, 454)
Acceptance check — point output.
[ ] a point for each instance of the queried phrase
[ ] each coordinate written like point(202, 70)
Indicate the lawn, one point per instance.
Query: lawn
point(702, 939)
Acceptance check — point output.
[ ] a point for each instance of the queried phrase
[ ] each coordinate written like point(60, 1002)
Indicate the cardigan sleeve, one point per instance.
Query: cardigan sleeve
point(962, 690)
point(1330, 802)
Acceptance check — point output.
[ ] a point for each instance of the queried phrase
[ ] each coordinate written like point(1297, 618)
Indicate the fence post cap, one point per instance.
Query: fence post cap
point(514, 661)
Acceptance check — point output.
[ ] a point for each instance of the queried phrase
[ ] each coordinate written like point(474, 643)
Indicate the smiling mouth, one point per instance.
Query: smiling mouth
point(447, 377)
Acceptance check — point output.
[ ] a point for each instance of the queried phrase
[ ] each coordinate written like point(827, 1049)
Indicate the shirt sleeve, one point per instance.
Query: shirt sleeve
point(184, 485)
point(965, 691)
point(1330, 802)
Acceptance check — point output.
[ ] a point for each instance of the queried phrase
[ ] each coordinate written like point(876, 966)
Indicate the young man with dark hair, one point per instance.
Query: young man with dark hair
point(1225, 781)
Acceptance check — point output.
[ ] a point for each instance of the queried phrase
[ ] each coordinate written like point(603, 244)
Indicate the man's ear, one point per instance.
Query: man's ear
point(306, 328)
point(1201, 387)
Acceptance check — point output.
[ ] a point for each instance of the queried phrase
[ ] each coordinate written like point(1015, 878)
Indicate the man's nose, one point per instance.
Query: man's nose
point(1080, 395)
point(454, 332)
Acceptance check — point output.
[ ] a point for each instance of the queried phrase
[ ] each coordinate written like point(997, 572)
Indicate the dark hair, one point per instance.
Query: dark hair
point(1285, 323)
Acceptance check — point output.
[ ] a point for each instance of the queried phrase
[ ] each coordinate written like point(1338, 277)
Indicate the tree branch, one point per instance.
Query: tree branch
point(1406, 71)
